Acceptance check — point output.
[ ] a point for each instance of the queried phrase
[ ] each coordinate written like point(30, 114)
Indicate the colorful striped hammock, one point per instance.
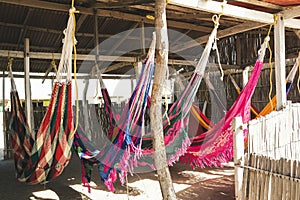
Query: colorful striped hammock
point(125, 133)
point(43, 156)
point(129, 147)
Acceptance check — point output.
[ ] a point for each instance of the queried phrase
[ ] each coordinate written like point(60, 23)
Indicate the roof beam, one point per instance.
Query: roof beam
point(234, 11)
point(221, 34)
point(103, 13)
point(89, 57)
point(261, 4)
point(291, 12)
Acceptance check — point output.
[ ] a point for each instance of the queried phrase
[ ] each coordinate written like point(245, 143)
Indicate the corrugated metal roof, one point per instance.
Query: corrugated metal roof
point(44, 28)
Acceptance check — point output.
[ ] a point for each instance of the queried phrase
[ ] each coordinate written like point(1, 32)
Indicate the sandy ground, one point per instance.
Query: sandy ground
point(198, 184)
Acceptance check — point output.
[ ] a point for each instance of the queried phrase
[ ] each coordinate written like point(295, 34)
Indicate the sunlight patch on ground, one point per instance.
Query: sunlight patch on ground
point(44, 194)
point(194, 177)
point(226, 172)
point(149, 189)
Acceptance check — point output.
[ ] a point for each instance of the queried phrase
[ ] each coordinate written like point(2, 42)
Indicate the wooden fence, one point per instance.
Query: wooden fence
point(277, 135)
point(271, 169)
point(265, 178)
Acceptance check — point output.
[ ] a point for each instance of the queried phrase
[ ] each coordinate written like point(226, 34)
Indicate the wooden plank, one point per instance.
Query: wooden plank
point(262, 176)
point(279, 40)
point(252, 188)
point(284, 180)
point(246, 178)
point(233, 11)
point(267, 188)
point(294, 183)
point(258, 178)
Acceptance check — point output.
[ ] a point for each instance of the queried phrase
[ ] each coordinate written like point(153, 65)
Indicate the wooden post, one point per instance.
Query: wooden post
point(238, 149)
point(160, 157)
point(138, 69)
point(5, 149)
point(28, 102)
point(279, 39)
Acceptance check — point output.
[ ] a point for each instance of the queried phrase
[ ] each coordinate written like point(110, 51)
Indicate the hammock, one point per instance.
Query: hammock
point(43, 156)
point(271, 105)
point(216, 145)
point(124, 134)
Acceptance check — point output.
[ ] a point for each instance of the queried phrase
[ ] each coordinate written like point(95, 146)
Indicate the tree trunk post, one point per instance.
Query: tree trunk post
point(160, 157)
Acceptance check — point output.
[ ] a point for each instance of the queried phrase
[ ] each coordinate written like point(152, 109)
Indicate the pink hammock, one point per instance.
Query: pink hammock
point(216, 145)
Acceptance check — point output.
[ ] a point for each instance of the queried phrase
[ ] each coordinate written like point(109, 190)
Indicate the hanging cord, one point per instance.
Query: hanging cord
point(216, 19)
point(9, 69)
point(298, 81)
point(270, 62)
point(72, 12)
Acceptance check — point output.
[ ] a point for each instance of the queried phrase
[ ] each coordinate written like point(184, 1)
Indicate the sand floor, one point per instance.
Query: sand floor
point(198, 184)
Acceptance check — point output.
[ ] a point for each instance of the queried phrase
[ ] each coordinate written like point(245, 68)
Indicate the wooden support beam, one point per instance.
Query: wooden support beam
point(5, 149)
point(160, 157)
point(279, 40)
point(261, 4)
point(89, 57)
point(114, 67)
point(234, 11)
point(28, 102)
point(221, 34)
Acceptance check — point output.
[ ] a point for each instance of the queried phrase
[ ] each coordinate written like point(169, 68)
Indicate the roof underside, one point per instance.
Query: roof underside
point(121, 33)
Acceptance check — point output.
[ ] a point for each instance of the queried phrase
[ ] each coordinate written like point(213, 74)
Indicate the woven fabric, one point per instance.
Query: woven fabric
point(216, 145)
point(43, 157)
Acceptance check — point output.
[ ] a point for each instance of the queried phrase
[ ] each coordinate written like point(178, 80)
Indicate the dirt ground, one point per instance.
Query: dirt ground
point(198, 184)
